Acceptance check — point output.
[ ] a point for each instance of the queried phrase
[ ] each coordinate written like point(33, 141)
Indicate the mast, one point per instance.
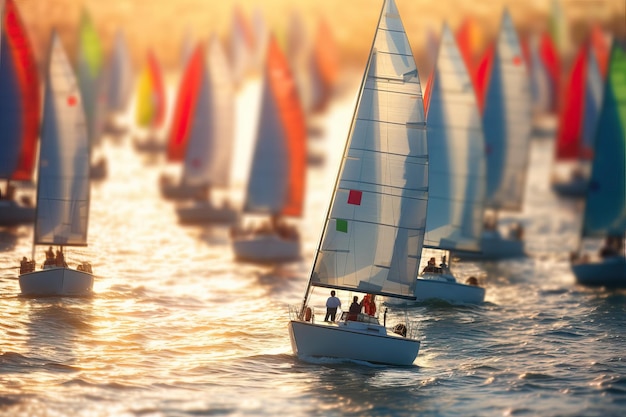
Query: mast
point(345, 148)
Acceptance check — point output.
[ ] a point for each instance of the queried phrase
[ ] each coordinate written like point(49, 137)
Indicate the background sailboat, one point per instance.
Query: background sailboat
point(457, 175)
point(19, 116)
point(119, 83)
point(63, 185)
point(209, 150)
point(374, 229)
point(150, 106)
point(605, 209)
point(507, 122)
point(277, 177)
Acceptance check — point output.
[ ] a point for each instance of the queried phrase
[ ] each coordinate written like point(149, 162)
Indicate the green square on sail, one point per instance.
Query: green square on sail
point(341, 225)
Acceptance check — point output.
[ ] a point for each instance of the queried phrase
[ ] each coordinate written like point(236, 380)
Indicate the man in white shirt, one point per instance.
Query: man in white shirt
point(331, 306)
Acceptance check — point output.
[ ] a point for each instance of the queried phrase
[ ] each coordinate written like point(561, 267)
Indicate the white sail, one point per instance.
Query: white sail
point(120, 75)
point(457, 168)
point(507, 122)
point(374, 230)
point(209, 150)
point(63, 182)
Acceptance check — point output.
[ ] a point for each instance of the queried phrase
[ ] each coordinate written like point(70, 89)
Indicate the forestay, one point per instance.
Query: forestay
point(457, 168)
point(374, 230)
point(507, 122)
point(63, 185)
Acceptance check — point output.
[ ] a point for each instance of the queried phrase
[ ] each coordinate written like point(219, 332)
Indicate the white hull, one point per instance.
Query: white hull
point(429, 287)
point(352, 340)
point(611, 272)
point(493, 247)
point(266, 248)
point(56, 281)
point(13, 214)
point(200, 212)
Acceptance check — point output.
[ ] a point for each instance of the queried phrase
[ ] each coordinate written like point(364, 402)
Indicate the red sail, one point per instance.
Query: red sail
point(185, 103)
point(571, 114)
point(28, 80)
point(291, 115)
point(481, 76)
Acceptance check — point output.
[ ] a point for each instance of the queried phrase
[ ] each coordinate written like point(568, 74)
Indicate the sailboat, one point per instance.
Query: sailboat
point(456, 177)
point(62, 187)
point(374, 227)
point(150, 107)
point(19, 116)
point(579, 117)
point(605, 209)
point(209, 149)
point(119, 80)
point(507, 122)
point(277, 176)
point(174, 186)
point(91, 82)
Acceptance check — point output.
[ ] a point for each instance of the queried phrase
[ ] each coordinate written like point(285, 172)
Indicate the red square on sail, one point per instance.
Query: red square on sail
point(517, 60)
point(355, 197)
point(71, 100)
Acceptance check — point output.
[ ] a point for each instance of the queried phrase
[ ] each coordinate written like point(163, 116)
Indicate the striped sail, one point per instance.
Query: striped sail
point(276, 184)
point(374, 230)
point(456, 157)
point(19, 98)
point(120, 75)
point(150, 91)
point(507, 122)
point(209, 151)
point(89, 70)
point(63, 185)
point(605, 211)
point(544, 69)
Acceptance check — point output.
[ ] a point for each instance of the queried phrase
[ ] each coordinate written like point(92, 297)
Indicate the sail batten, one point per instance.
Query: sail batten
point(374, 230)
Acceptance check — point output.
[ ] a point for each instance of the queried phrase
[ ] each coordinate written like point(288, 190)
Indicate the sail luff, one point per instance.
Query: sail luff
point(374, 232)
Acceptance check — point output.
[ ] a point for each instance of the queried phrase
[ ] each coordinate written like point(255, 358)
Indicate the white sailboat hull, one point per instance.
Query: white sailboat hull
point(56, 281)
point(352, 340)
point(266, 248)
point(611, 272)
point(13, 214)
point(430, 287)
point(200, 212)
point(493, 247)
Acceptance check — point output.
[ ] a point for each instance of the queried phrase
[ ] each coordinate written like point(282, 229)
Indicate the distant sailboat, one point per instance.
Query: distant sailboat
point(209, 150)
point(174, 186)
point(374, 228)
point(19, 115)
point(579, 117)
point(277, 178)
point(119, 83)
point(506, 125)
point(150, 106)
point(605, 209)
point(91, 79)
point(62, 187)
point(456, 177)
point(241, 46)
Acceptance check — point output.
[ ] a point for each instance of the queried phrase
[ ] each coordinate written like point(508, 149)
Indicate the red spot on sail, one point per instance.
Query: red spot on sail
point(71, 101)
point(355, 197)
point(517, 60)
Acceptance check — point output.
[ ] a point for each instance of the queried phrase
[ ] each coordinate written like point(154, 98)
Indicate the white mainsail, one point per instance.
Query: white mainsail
point(63, 182)
point(457, 167)
point(120, 81)
point(374, 230)
point(209, 150)
point(507, 122)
